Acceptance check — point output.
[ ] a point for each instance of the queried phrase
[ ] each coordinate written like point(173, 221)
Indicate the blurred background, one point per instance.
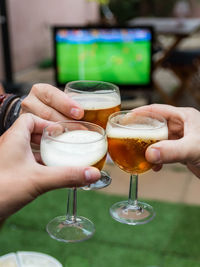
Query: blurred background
point(26, 44)
point(26, 57)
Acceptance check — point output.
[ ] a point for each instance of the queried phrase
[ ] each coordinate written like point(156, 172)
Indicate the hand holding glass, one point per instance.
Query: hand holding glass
point(73, 143)
point(129, 135)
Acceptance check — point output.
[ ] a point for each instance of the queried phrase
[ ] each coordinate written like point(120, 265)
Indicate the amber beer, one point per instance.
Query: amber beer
point(127, 147)
point(100, 163)
point(129, 153)
point(97, 108)
point(99, 116)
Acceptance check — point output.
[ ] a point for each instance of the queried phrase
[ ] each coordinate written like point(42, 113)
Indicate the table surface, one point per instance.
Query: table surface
point(169, 26)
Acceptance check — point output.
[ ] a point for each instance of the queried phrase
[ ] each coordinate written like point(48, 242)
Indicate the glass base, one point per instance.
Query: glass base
point(126, 213)
point(104, 181)
point(69, 231)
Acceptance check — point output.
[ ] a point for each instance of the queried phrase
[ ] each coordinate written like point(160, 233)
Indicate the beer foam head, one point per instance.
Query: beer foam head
point(74, 148)
point(97, 101)
point(153, 129)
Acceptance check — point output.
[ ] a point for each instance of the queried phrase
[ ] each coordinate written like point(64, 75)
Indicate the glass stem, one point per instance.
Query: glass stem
point(133, 190)
point(72, 205)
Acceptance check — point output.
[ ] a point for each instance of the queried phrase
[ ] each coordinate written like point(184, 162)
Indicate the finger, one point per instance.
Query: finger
point(51, 96)
point(58, 177)
point(33, 123)
point(35, 106)
point(26, 126)
point(167, 151)
point(166, 111)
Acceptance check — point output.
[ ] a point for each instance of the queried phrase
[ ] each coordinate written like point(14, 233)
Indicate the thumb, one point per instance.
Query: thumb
point(167, 151)
point(57, 177)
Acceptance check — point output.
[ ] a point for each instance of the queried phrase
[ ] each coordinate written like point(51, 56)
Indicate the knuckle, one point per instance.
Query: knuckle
point(36, 88)
point(153, 105)
point(46, 113)
point(42, 91)
point(47, 97)
point(190, 111)
point(25, 104)
point(76, 177)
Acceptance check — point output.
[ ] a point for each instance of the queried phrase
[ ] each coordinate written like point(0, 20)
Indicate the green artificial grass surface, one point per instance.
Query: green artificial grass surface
point(171, 239)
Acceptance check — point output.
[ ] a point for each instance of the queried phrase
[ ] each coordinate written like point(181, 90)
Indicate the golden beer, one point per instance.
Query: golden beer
point(129, 137)
point(98, 107)
point(100, 163)
point(100, 116)
point(129, 153)
point(98, 99)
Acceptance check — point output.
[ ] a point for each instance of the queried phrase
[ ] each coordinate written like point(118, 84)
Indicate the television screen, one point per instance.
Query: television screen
point(119, 55)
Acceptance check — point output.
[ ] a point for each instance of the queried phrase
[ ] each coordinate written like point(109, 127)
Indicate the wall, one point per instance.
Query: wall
point(30, 22)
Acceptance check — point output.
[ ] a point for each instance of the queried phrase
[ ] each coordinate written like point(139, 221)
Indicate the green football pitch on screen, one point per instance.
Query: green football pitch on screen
point(121, 63)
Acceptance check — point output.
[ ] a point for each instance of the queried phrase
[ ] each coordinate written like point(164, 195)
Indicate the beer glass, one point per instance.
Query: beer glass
point(129, 134)
point(73, 143)
point(99, 100)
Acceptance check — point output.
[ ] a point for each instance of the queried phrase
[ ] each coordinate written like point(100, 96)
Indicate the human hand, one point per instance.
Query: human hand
point(50, 103)
point(22, 179)
point(184, 139)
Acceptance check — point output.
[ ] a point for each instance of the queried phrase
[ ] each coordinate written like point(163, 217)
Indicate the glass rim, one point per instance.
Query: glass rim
point(115, 87)
point(137, 129)
point(103, 135)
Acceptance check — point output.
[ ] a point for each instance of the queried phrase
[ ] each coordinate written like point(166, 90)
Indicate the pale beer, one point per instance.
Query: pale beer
point(75, 148)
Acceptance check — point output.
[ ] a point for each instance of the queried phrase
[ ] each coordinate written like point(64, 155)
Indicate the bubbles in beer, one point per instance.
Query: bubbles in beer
point(128, 141)
point(74, 148)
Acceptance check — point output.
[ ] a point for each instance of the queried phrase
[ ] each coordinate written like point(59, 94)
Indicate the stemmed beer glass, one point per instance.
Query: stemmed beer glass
point(99, 100)
point(129, 134)
point(73, 143)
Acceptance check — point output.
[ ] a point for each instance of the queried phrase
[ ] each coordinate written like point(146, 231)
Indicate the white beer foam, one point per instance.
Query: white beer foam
point(97, 101)
point(88, 148)
point(156, 131)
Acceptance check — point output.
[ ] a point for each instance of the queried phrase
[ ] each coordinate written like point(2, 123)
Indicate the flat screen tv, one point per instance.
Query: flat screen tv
point(121, 55)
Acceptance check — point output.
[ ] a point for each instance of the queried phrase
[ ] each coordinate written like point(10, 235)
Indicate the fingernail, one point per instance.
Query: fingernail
point(92, 174)
point(75, 112)
point(154, 155)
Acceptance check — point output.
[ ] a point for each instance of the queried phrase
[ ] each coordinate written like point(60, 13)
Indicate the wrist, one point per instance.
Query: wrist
point(5, 101)
point(10, 106)
point(12, 113)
